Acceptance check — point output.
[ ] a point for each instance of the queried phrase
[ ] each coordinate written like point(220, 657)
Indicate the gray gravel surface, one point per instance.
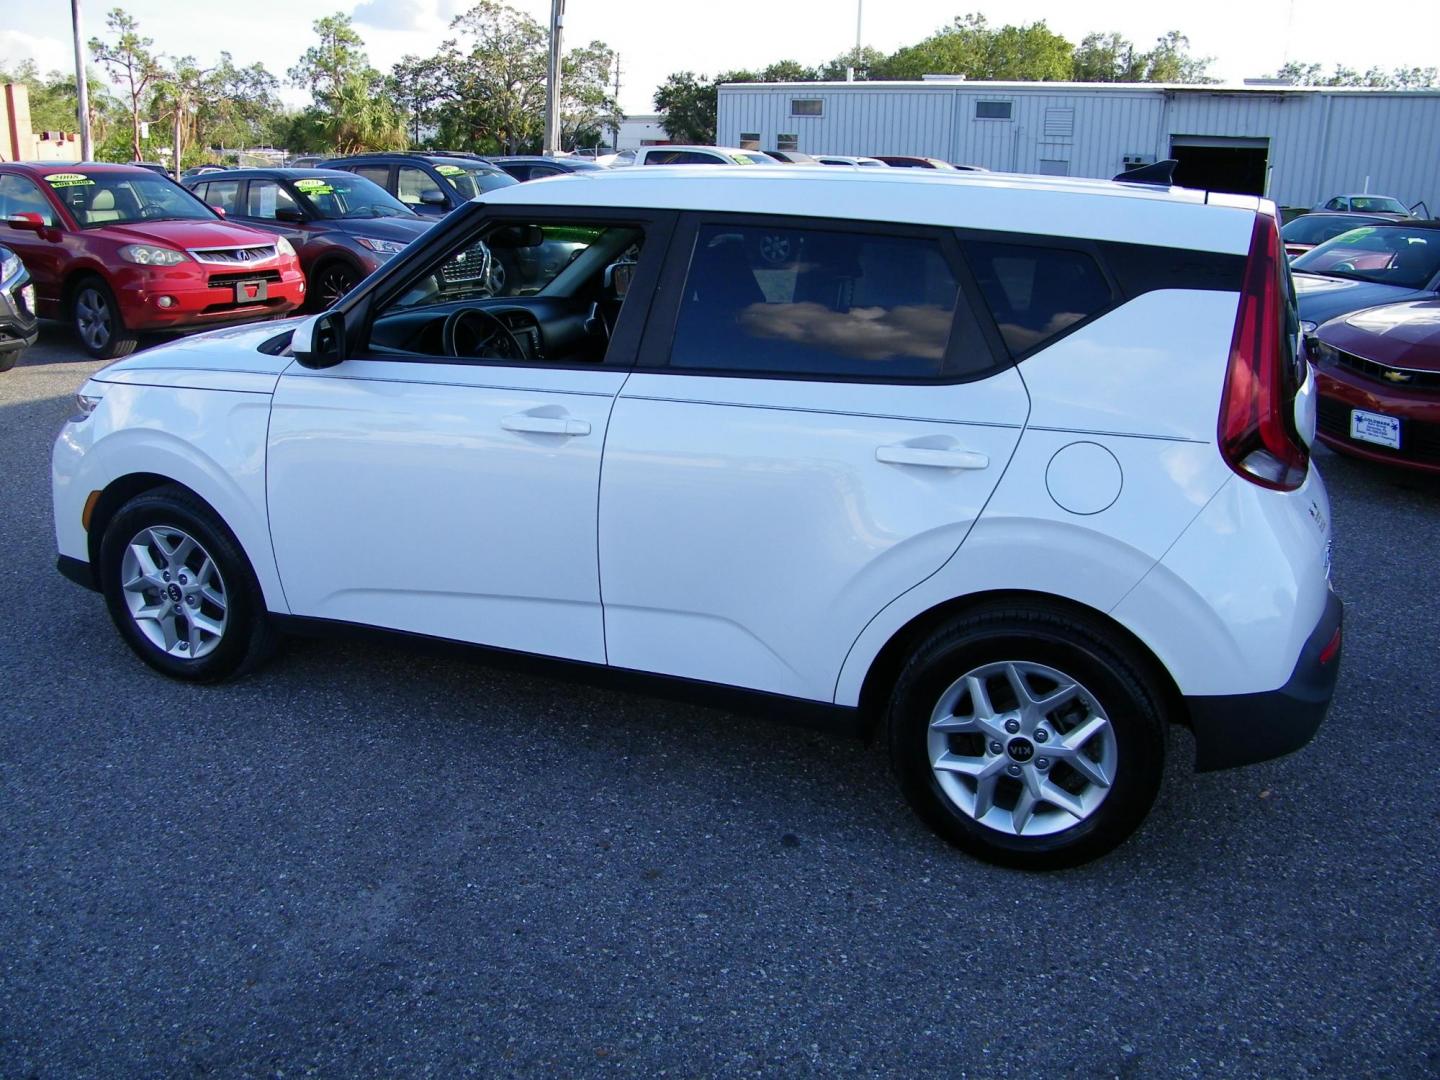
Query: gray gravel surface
point(365, 861)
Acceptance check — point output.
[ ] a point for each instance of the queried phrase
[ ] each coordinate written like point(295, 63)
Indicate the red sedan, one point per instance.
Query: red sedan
point(1378, 373)
point(117, 249)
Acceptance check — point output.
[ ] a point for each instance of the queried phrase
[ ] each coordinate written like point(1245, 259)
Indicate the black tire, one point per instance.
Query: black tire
point(332, 280)
point(248, 636)
point(1080, 647)
point(95, 318)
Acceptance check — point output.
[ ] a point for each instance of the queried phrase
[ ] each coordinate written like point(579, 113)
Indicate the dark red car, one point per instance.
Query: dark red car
point(117, 249)
point(1378, 374)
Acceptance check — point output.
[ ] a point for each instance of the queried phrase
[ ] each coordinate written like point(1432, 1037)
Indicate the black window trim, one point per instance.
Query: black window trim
point(654, 354)
point(464, 226)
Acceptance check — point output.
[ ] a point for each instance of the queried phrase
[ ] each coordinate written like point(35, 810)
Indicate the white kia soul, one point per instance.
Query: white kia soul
point(1013, 471)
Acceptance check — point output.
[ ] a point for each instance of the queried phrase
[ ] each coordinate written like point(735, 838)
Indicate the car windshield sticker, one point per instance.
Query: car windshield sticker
point(741, 159)
point(449, 170)
point(314, 186)
point(68, 179)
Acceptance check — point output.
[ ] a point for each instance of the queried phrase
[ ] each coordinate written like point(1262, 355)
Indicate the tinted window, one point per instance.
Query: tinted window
point(1390, 255)
point(265, 197)
point(1313, 229)
point(767, 299)
point(1037, 293)
point(1371, 204)
point(680, 157)
point(414, 184)
point(20, 196)
point(376, 174)
point(992, 110)
point(221, 193)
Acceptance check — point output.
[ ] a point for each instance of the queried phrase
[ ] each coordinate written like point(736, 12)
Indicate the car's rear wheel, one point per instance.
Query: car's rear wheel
point(332, 282)
point(1028, 736)
point(96, 318)
point(180, 589)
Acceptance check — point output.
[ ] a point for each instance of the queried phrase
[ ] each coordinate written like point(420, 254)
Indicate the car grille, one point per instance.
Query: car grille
point(1419, 440)
point(468, 266)
point(241, 256)
point(1389, 376)
point(217, 280)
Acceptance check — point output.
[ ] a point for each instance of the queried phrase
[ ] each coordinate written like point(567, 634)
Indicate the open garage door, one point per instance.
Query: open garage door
point(1218, 163)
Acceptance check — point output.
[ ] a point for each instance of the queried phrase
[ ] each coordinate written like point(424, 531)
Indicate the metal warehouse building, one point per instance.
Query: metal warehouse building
point(1299, 145)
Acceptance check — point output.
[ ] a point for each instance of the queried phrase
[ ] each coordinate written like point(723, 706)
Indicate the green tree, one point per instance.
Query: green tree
point(970, 47)
point(353, 109)
point(1301, 74)
point(493, 75)
point(130, 63)
point(786, 71)
point(1112, 57)
point(687, 104)
point(867, 63)
point(587, 104)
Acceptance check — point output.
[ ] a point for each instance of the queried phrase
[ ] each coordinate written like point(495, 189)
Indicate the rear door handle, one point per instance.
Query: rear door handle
point(545, 425)
point(901, 454)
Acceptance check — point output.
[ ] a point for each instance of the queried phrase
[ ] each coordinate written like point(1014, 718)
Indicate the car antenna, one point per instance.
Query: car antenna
point(1159, 173)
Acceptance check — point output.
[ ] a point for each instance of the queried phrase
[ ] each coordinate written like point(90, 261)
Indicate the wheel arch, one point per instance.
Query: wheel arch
point(70, 284)
point(885, 668)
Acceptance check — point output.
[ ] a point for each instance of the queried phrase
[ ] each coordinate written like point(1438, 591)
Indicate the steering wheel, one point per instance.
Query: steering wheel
point(148, 210)
point(476, 332)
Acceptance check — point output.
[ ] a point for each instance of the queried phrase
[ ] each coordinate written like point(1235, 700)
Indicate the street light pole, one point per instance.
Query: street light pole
point(552, 82)
point(82, 84)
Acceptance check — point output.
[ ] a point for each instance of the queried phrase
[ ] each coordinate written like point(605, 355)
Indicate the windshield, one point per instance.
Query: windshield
point(104, 198)
point(1376, 204)
point(1387, 255)
point(1317, 228)
point(342, 195)
point(473, 180)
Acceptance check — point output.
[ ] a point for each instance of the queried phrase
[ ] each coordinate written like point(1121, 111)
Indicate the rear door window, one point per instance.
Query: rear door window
point(1037, 293)
point(222, 194)
point(809, 301)
point(376, 174)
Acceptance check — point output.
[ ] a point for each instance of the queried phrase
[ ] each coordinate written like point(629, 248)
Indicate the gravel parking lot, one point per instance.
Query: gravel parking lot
point(363, 861)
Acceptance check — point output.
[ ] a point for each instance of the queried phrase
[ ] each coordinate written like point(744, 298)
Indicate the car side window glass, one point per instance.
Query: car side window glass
point(20, 196)
point(471, 304)
point(1335, 204)
point(376, 174)
point(769, 299)
point(224, 194)
point(1036, 293)
point(413, 185)
point(265, 198)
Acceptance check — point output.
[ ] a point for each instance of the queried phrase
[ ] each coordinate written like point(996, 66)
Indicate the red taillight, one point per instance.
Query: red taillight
point(1257, 412)
point(1332, 649)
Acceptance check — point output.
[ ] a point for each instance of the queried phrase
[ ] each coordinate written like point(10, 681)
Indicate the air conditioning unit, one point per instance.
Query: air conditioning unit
point(1134, 161)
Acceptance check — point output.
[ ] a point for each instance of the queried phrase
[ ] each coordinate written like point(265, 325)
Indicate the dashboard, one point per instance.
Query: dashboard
point(546, 328)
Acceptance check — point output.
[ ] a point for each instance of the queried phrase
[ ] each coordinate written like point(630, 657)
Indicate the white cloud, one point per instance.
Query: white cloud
point(427, 15)
point(49, 54)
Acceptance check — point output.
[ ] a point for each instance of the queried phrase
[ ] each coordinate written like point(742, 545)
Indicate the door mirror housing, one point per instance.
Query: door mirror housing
point(288, 213)
point(26, 222)
point(219, 211)
point(618, 276)
point(432, 197)
point(319, 341)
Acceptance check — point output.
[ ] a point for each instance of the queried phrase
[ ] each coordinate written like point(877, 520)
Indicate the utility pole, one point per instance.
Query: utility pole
point(552, 83)
point(82, 84)
point(615, 125)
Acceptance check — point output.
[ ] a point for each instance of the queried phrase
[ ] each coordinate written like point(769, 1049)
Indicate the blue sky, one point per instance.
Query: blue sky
point(654, 38)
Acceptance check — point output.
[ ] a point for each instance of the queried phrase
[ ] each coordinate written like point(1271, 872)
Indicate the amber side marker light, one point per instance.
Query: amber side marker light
point(90, 501)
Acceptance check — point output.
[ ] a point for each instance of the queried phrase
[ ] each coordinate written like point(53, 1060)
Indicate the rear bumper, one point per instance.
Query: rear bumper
point(1241, 729)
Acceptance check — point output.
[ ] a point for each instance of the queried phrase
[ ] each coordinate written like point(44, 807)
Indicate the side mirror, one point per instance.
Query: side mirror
point(432, 197)
point(219, 211)
point(289, 213)
point(319, 341)
point(26, 222)
point(618, 277)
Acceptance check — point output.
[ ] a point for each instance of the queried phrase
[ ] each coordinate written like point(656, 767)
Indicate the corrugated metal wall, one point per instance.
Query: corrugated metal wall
point(1320, 143)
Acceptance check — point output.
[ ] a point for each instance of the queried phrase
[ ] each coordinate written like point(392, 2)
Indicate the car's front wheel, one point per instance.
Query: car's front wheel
point(96, 318)
point(180, 589)
point(332, 282)
point(1028, 736)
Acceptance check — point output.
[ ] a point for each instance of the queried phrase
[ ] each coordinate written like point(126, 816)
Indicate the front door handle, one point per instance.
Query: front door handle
point(932, 456)
point(545, 425)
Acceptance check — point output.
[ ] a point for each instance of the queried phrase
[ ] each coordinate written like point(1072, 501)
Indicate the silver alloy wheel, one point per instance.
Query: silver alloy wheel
point(92, 318)
point(1022, 748)
point(174, 592)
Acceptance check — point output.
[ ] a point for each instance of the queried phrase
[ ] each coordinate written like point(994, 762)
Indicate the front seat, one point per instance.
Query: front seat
point(102, 208)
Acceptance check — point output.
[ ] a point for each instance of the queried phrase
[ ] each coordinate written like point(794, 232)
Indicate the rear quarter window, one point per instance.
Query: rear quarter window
point(1036, 293)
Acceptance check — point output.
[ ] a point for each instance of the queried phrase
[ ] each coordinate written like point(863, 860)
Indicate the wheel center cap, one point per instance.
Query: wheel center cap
point(173, 591)
point(1021, 750)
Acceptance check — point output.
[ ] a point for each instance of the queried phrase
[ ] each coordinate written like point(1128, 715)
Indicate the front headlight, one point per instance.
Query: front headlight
point(382, 247)
point(284, 246)
point(151, 255)
point(10, 266)
point(1322, 353)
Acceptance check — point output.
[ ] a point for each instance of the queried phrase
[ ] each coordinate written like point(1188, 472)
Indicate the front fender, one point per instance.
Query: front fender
point(212, 442)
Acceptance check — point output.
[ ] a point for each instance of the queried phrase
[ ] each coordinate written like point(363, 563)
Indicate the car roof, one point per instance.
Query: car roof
point(266, 173)
point(407, 155)
point(89, 166)
point(1058, 206)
